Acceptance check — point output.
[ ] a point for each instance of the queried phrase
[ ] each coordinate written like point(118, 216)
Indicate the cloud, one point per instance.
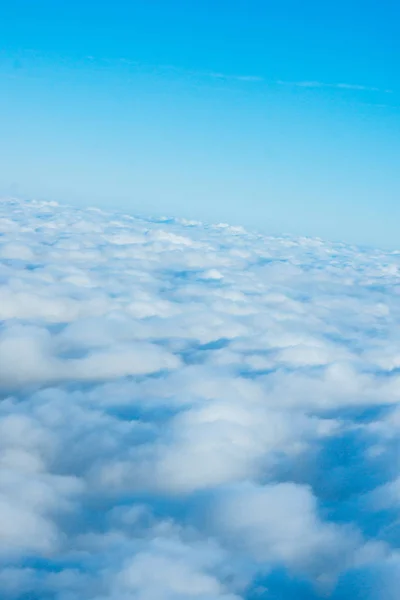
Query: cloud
point(194, 411)
point(243, 78)
point(170, 569)
point(29, 355)
point(246, 78)
point(279, 524)
point(196, 74)
point(29, 493)
point(337, 86)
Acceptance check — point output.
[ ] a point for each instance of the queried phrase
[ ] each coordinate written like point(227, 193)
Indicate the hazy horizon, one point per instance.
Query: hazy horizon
point(251, 112)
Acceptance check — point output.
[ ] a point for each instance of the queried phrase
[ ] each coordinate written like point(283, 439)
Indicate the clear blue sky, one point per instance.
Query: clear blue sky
point(282, 116)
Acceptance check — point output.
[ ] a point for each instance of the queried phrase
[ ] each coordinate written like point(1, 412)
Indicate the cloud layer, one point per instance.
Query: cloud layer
point(194, 411)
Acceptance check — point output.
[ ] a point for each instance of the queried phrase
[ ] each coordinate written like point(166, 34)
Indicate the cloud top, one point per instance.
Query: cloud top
point(194, 411)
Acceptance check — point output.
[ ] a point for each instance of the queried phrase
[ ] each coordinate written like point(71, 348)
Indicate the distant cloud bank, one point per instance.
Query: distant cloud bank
point(194, 411)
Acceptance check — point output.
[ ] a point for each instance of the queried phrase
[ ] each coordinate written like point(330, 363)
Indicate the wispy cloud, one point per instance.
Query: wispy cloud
point(244, 78)
point(337, 86)
point(182, 71)
point(213, 74)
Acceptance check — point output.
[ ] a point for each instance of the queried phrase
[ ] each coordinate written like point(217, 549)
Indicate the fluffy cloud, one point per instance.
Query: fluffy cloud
point(194, 411)
point(279, 524)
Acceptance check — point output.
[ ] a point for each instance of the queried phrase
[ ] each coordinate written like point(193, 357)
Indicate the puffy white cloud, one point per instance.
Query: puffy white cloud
point(28, 355)
point(30, 494)
point(279, 524)
point(194, 411)
point(171, 569)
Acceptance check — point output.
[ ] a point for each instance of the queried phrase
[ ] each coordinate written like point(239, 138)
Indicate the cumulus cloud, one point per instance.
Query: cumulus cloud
point(279, 524)
point(194, 411)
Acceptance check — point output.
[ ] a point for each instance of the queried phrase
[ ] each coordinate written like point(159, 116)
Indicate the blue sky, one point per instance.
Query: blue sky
point(277, 116)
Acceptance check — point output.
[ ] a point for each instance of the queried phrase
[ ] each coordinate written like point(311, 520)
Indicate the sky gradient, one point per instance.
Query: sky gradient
point(282, 117)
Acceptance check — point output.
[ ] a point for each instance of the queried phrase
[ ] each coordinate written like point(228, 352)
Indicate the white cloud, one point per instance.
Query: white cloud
point(171, 571)
point(278, 523)
point(337, 86)
point(194, 411)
